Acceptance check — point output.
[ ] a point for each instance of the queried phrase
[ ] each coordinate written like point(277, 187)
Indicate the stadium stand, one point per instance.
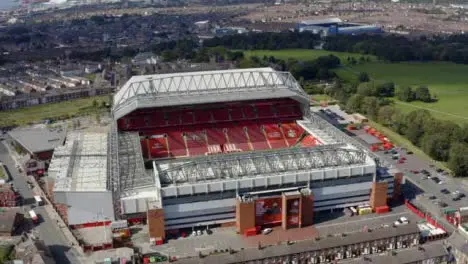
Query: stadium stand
point(237, 136)
point(196, 142)
point(275, 136)
point(256, 137)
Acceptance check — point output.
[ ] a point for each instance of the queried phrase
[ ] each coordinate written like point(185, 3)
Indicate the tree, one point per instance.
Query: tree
point(386, 89)
point(416, 122)
point(365, 89)
point(422, 94)
point(385, 114)
point(354, 103)
point(369, 106)
point(436, 145)
point(398, 121)
point(363, 77)
point(458, 159)
point(405, 94)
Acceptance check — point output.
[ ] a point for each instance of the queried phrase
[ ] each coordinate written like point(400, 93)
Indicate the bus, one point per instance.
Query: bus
point(33, 216)
point(38, 200)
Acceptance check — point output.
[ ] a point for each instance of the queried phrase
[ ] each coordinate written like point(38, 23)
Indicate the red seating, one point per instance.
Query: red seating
point(156, 120)
point(237, 114)
point(220, 114)
point(215, 136)
point(176, 144)
point(196, 143)
point(249, 112)
point(136, 122)
point(203, 116)
point(187, 118)
point(264, 111)
point(173, 118)
point(284, 110)
point(257, 138)
point(292, 132)
point(275, 136)
point(309, 141)
point(237, 136)
point(158, 147)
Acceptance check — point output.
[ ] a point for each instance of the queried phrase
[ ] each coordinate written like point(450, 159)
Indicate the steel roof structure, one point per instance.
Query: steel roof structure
point(81, 164)
point(264, 163)
point(191, 88)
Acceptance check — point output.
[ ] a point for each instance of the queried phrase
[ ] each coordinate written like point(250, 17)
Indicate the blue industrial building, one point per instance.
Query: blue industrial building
point(335, 26)
point(355, 30)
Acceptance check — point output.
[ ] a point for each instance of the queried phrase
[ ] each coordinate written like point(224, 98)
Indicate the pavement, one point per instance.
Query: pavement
point(47, 230)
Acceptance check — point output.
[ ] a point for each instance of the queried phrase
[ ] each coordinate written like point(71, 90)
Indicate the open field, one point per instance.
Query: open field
point(304, 54)
point(447, 81)
point(66, 109)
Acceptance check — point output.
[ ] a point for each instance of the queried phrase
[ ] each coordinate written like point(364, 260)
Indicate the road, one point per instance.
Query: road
point(47, 230)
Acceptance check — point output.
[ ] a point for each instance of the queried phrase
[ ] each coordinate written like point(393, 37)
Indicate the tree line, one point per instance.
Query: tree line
point(396, 48)
point(442, 140)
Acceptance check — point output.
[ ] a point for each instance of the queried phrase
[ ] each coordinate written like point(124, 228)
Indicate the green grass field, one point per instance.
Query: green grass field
point(304, 54)
point(447, 81)
point(3, 175)
point(33, 114)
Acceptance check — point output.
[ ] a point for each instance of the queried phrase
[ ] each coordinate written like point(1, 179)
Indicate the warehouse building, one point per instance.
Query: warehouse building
point(77, 180)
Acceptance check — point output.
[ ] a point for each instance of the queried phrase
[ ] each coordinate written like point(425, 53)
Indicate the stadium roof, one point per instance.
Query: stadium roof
point(81, 164)
point(332, 20)
point(252, 164)
point(160, 90)
point(38, 139)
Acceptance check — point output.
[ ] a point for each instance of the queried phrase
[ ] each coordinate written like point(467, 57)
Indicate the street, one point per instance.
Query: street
point(47, 229)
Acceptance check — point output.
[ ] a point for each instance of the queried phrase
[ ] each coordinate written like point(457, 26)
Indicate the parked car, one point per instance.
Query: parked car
point(267, 231)
point(445, 191)
point(435, 179)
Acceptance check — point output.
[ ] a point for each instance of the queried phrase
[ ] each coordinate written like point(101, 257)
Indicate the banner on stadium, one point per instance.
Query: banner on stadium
point(268, 211)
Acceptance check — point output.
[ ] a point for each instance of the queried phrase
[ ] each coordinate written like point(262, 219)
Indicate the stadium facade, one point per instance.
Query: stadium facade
point(232, 147)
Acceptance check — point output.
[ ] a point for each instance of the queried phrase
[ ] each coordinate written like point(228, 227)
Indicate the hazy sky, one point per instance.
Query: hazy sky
point(7, 4)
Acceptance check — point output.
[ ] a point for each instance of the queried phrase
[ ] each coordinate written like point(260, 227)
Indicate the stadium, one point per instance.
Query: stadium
point(234, 147)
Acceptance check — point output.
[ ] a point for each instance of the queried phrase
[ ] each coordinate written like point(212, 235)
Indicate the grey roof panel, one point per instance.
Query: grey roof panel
point(204, 87)
point(38, 140)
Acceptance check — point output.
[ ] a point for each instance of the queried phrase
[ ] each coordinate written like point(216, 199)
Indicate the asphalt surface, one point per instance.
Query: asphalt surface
point(47, 229)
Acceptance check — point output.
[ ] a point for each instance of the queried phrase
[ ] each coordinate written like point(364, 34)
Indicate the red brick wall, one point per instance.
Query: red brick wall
point(378, 194)
point(245, 216)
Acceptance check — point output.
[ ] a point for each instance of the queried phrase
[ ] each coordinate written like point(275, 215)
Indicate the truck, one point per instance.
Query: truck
point(34, 217)
point(38, 200)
